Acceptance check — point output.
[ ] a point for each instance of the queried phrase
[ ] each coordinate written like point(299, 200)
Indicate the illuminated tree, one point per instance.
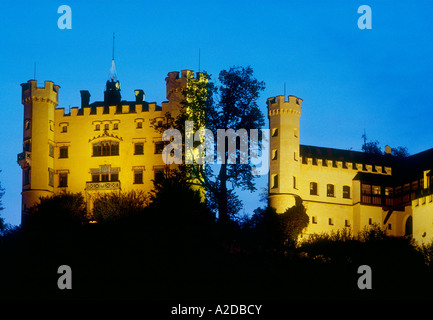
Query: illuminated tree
point(230, 104)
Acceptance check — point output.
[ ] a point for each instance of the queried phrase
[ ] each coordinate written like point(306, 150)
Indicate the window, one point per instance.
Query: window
point(95, 177)
point(115, 126)
point(106, 148)
point(330, 190)
point(295, 157)
point(331, 221)
point(114, 177)
point(274, 154)
point(51, 150)
point(389, 226)
point(346, 223)
point(63, 180)
point(106, 126)
point(50, 177)
point(275, 132)
point(314, 220)
point(159, 146)
point(346, 192)
point(105, 177)
point(295, 133)
point(27, 146)
point(138, 148)
point(370, 221)
point(158, 173)
point(294, 182)
point(366, 189)
point(27, 125)
point(63, 152)
point(26, 176)
point(97, 127)
point(376, 190)
point(139, 125)
point(275, 181)
point(313, 188)
point(388, 191)
point(138, 176)
point(64, 129)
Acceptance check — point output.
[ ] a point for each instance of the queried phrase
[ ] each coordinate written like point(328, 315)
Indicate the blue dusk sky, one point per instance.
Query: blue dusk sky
point(349, 79)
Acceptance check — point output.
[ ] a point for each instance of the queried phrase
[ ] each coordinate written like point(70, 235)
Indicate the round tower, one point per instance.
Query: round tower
point(284, 151)
point(37, 158)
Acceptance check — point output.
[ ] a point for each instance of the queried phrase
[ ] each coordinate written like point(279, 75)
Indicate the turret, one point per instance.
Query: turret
point(284, 170)
point(38, 134)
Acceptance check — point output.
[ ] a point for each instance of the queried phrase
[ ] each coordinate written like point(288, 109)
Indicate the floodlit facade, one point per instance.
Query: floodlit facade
point(104, 146)
point(344, 189)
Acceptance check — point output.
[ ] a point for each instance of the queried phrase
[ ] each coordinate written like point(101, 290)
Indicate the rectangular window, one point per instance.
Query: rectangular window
point(275, 132)
point(376, 190)
point(275, 181)
point(114, 177)
point(366, 189)
point(138, 176)
point(97, 127)
point(158, 173)
point(159, 146)
point(294, 182)
point(50, 177)
point(26, 176)
point(330, 190)
point(314, 220)
point(274, 154)
point(388, 192)
point(370, 221)
point(51, 150)
point(63, 152)
point(346, 223)
point(63, 180)
point(95, 177)
point(104, 177)
point(331, 221)
point(139, 125)
point(64, 129)
point(313, 188)
point(138, 148)
point(346, 192)
point(115, 126)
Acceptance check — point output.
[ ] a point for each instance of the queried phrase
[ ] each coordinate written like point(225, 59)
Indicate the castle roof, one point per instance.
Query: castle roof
point(403, 168)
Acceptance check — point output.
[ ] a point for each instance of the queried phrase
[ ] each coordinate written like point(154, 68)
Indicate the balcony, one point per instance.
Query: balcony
point(24, 159)
point(103, 186)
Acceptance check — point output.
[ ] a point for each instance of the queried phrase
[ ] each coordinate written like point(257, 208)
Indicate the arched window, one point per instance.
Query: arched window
point(106, 148)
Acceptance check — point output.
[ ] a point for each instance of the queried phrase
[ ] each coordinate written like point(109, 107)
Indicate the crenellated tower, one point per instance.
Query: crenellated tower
point(284, 170)
point(37, 158)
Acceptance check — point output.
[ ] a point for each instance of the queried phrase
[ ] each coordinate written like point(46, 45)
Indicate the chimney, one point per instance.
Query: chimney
point(85, 98)
point(139, 96)
point(388, 149)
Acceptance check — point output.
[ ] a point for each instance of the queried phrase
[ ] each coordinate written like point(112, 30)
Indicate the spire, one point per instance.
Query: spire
point(113, 73)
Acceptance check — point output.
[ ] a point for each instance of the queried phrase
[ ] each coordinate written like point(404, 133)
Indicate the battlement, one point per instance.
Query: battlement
point(123, 108)
point(48, 93)
point(280, 105)
point(325, 164)
point(176, 81)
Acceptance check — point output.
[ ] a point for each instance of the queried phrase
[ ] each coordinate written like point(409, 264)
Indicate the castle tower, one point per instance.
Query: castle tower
point(284, 151)
point(37, 158)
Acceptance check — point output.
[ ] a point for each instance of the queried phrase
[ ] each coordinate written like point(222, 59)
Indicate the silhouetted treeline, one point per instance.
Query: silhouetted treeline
point(168, 245)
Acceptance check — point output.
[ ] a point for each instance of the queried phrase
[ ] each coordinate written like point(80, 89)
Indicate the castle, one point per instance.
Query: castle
point(112, 145)
point(344, 189)
point(103, 146)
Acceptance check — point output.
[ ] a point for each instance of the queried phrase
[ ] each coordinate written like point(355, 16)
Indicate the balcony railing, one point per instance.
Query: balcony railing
point(105, 185)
